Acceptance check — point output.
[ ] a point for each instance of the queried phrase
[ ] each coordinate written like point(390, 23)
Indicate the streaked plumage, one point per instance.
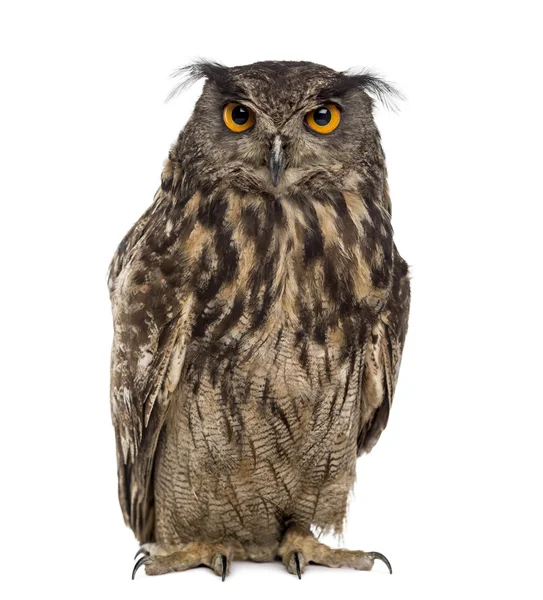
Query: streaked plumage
point(258, 328)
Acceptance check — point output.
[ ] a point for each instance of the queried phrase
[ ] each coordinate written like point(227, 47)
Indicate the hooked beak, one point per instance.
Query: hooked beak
point(277, 162)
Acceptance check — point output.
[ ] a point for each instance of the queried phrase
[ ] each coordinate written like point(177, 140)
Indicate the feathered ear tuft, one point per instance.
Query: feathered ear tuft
point(202, 69)
point(377, 88)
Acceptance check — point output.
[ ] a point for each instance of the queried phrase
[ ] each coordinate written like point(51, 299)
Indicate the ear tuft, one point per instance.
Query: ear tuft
point(200, 69)
point(376, 87)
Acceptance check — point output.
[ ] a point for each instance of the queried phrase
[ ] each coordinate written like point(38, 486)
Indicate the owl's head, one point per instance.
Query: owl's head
point(279, 121)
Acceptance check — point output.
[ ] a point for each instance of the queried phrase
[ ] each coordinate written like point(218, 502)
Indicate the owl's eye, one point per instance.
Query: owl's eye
point(238, 117)
point(324, 119)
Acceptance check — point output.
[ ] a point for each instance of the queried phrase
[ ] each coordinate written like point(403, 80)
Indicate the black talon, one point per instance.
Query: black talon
point(142, 561)
point(297, 561)
point(382, 557)
point(223, 567)
point(141, 551)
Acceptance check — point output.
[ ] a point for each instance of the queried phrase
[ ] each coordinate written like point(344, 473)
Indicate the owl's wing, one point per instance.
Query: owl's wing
point(382, 359)
point(147, 357)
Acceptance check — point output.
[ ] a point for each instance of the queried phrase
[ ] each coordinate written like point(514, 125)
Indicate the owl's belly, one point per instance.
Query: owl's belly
point(260, 434)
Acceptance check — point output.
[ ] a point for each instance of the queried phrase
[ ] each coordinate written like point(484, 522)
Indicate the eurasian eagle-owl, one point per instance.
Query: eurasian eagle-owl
point(260, 309)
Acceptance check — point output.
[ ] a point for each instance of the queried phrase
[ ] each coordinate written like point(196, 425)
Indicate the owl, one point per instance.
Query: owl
point(260, 309)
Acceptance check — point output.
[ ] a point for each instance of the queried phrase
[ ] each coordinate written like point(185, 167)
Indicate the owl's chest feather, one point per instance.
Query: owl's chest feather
point(288, 259)
point(252, 390)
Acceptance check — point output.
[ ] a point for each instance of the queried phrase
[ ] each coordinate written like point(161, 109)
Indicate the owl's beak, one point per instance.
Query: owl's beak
point(277, 161)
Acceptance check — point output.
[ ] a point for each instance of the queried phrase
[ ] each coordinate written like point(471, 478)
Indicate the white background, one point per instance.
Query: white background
point(452, 492)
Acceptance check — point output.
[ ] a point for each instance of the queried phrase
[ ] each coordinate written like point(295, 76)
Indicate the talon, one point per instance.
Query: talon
point(142, 550)
point(142, 561)
point(224, 563)
point(378, 555)
point(297, 562)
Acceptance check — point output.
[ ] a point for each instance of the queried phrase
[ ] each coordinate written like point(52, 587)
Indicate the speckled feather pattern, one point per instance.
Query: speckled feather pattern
point(258, 330)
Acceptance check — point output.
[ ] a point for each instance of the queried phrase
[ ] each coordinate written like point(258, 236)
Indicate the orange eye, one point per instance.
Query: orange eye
point(238, 117)
point(324, 119)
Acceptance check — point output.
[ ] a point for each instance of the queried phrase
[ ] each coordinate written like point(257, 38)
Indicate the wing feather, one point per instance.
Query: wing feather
point(382, 359)
point(150, 321)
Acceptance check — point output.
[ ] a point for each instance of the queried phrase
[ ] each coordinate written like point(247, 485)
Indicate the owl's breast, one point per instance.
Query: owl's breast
point(267, 393)
point(259, 420)
point(258, 264)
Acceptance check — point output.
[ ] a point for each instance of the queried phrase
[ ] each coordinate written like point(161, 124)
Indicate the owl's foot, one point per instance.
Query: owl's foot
point(161, 558)
point(300, 547)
